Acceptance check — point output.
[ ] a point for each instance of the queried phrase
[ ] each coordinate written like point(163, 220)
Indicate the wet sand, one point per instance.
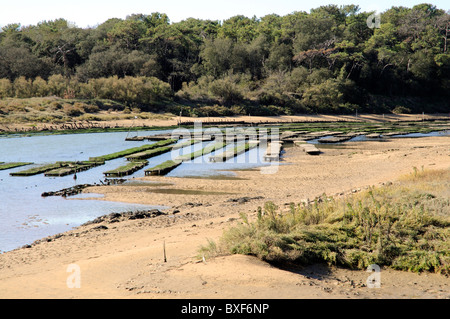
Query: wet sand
point(125, 260)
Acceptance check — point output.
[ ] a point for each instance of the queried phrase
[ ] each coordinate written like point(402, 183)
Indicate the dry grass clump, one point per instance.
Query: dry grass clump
point(58, 110)
point(405, 226)
point(46, 109)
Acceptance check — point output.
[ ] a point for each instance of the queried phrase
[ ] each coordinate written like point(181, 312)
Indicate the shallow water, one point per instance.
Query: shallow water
point(25, 216)
point(440, 133)
point(362, 138)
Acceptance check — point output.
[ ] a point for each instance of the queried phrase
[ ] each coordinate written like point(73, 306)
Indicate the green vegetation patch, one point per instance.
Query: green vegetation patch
point(239, 149)
point(149, 154)
point(133, 150)
point(207, 150)
point(127, 169)
point(40, 169)
point(4, 166)
point(405, 226)
point(185, 144)
point(58, 168)
point(163, 168)
point(72, 168)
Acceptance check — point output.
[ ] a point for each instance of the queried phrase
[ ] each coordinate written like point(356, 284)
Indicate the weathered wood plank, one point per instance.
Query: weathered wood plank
point(164, 168)
point(126, 169)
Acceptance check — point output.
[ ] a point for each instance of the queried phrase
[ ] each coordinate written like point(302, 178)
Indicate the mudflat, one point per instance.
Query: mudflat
point(125, 259)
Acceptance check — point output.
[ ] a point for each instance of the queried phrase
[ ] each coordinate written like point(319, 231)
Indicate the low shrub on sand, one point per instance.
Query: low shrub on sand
point(405, 226)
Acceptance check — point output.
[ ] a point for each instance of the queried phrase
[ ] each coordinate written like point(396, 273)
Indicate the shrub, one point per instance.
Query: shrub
point(401, 110)
point(227, 90)
point(72, 110)
point(86, 108)
point(55, 105)
point(40, 87)
point(397, 226)
point(57, 85)
point(6, 88)
point(216, 110)
point(23, 88)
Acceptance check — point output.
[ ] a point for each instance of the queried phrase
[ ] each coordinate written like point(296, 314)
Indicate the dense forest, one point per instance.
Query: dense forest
point(326, 61)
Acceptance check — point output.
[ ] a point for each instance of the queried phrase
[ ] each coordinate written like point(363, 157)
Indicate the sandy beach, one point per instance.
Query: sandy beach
point(125, 259)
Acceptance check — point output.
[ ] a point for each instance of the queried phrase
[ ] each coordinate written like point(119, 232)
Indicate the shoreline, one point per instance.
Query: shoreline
point(82, 126)
point(124, 259)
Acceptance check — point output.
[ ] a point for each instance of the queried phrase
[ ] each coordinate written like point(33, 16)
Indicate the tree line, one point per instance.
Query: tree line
point(326, 61)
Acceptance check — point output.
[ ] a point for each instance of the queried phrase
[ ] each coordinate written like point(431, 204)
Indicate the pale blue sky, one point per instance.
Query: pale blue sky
point(86, 13)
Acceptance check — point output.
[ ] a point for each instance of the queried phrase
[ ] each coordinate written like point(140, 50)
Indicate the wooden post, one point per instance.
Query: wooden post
point(164, 250)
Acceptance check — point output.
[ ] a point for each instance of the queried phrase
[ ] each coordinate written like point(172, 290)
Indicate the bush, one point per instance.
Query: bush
point(23, 88)
point(398, 226)
point(87, 108)
point(401, 110)
point(57, 85)
point(40, 87)
point(72, 110)
point(323, 97)
point(216, 110)
point(197, 91)
point(55, 105)
point(226, 90)
point(6, 88)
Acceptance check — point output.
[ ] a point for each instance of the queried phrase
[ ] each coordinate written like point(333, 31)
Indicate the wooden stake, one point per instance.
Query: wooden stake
point(164, 249)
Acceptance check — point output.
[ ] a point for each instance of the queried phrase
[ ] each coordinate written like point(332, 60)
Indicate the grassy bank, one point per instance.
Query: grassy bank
point(405, 226)
point(55, 110)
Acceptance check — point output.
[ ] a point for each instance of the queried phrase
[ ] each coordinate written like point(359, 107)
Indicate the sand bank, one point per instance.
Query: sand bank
point(125, 260)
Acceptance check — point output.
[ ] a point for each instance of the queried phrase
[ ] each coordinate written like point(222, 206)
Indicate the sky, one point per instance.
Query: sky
point(89, 13)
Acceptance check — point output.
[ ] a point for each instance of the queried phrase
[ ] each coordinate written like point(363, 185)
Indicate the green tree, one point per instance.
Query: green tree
point(126, 34)
point(217, 55)
point(239, 29)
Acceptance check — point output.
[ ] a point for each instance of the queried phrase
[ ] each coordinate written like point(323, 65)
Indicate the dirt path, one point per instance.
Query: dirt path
point(125, 260)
